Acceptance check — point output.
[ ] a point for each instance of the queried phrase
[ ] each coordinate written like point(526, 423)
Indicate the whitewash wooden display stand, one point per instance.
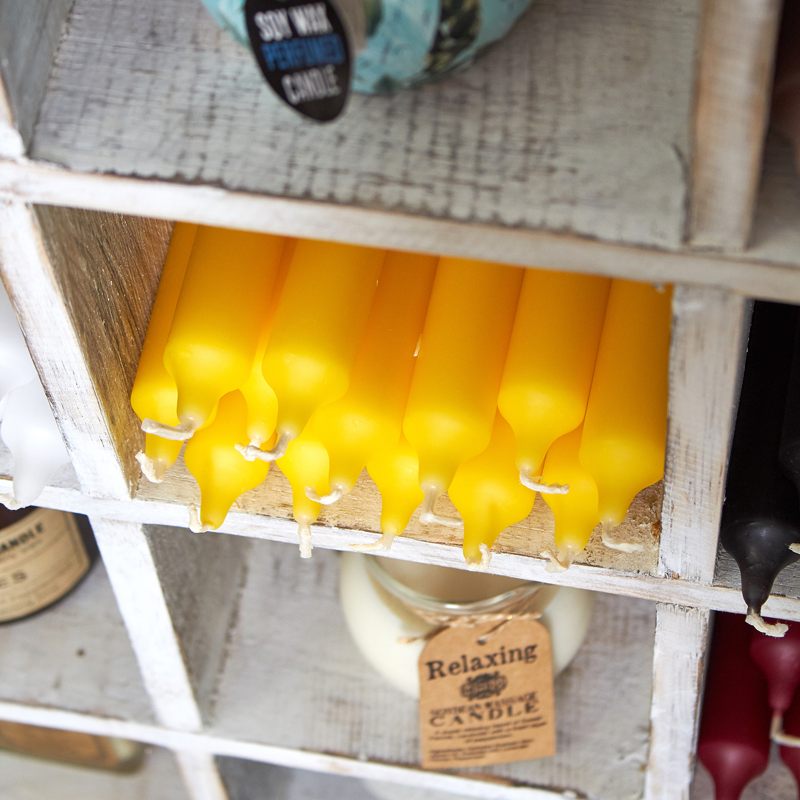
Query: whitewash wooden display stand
point(620, 137)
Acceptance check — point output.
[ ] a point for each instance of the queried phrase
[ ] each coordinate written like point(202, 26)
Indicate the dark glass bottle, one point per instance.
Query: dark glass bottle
point(44, 555)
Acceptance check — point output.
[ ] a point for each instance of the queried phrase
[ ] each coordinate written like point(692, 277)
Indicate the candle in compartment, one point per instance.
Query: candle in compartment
point(30, 432)
point(760, 519)
point(790, 754)
point(395, 471)
point(789, 451)
point(218, 317)
point(488, 495)
point(453, 397)
point(259, 396)
point(551, 359)
point(319, 322)
point(154, 394)
point(306, 466)
point(624, 433)
point(734, 738)
point(221, 473)
point(779, 661)
point(368, 418)
point(576, 513)
point(16, 367)
point(785, 118)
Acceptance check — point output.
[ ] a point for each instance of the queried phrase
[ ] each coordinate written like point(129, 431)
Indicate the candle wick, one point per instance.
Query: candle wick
point(554, 561)
point(537, 485)
point(427, 516)
point(176, 433)
point(195, 520)
point(336, 494)
point(775, 629)
point(152, 469)
point(252, 453)
point(778, 735)
point(616, 544)
point(304, 537)
point(483, 564)
point(383, 542)
point(795, 548)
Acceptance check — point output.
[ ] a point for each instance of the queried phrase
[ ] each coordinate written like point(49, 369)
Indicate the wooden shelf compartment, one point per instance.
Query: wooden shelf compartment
point(25, 778)
point(76, 657)
point(286, 623)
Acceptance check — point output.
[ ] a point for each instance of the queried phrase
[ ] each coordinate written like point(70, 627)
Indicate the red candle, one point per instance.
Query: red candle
point(779, 661)
point(791, 725)
point(734, 731)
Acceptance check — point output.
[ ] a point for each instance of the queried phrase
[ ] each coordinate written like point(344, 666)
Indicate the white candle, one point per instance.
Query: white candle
point(378, 621)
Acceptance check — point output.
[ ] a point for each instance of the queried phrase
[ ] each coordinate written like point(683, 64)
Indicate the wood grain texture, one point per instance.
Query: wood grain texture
point(75, 656)
point(579, 121)
point(348, 709)
point(201, 578)
point(31, 278)
point(131, 566)
point(107, 268)
point(709, 341)
point(30, 31)
point(33, 779)
point(737, 52)
point(681, 643)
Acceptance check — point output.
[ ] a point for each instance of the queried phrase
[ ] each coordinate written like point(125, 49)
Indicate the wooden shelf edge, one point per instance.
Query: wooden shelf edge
point(670, 590)
point(210, 743)
point(30, 181)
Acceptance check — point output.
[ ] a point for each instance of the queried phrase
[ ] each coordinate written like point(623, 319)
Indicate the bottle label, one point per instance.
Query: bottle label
point(486, 695)
point(41, 558)
point(304, 53)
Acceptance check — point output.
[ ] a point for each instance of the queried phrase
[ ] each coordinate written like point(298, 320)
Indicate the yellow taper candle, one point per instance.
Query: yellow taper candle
point(218, 317)
point(305, 465)
point(221, 473)
point(395, 471)
point(624, 434)
point(368, 418)
point(453, 397)
point(488, 495)
point(154, 393)
point(576, 514)
point(318, 325)
point(551, 358)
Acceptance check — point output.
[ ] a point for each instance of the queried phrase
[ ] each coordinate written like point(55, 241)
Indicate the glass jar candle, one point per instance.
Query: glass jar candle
point(390, 607)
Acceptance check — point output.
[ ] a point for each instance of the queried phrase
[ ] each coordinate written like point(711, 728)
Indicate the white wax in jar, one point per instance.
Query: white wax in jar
point(378, 621)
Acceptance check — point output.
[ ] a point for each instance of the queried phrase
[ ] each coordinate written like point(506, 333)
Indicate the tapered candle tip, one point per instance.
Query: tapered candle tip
point(10, 503)
point(795, 548)
point(482, 564)
point(775, 629)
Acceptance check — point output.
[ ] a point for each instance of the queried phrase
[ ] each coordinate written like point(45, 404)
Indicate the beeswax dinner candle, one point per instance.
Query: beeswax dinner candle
point(324, 305)
point(368, 418)
point(624, 433)
point(154, 394)
point(453, 397)
point(488, 495)
point(221, 473)
point(395, 471)
point(218, 316)
point(575, 513)
point(551, 359)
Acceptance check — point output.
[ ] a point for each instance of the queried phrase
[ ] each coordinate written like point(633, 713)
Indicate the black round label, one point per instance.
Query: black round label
point(304, 53)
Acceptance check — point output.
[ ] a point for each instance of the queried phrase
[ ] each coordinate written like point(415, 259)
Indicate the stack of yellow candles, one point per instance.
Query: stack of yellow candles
point(437, 375)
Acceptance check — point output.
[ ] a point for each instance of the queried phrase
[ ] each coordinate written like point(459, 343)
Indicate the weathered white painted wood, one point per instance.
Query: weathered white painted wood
point(737, 49)
point(681, 642)
point(771, 277)
point(140, 596)
point(50, 330)
point(579, 121)
point(776, 232)
point(33, 779)
point(709, 340)
point(201, 776)
point(11, 144)
point(348, 709)
point(75, 656)
point(29, 34)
